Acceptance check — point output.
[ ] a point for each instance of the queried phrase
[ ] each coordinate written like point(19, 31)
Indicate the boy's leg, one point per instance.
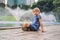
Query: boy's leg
point(26, 26)
point(32, 28)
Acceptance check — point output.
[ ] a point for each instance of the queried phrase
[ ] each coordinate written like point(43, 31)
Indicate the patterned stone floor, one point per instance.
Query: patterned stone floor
point(52, 32)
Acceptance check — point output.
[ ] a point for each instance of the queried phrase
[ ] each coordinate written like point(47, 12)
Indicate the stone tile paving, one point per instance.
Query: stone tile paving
point(51, 33)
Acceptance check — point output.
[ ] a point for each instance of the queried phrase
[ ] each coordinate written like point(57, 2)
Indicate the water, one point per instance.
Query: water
point(17, 13)
point(48, 17)
point(27, 15)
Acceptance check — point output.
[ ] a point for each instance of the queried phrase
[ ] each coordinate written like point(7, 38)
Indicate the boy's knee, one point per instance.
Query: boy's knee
point(26, 24)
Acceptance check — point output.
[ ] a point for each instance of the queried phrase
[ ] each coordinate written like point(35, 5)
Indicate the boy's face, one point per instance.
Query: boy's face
point(36, 12)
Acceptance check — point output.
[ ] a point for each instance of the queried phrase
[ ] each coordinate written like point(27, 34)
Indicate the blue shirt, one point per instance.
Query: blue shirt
point(36, 24)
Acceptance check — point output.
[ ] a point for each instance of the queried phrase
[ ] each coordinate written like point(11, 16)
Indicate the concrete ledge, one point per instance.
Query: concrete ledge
point(17, 27)
point(5, 28)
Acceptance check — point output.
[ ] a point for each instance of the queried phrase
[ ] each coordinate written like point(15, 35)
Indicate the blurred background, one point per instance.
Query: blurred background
point(16, 12)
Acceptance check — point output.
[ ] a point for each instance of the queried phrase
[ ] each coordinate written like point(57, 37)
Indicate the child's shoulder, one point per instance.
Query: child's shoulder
point(39, 16)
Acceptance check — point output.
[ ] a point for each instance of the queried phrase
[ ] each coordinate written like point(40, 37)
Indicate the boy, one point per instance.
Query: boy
point(34, 26)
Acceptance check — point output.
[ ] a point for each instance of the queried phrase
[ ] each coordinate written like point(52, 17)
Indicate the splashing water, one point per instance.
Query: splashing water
point(17, 13)
point(48, 17)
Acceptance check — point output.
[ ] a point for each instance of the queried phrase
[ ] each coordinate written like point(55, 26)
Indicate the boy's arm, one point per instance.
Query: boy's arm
point(41, 25)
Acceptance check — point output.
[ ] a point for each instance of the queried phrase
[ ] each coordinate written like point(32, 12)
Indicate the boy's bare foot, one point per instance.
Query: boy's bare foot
point(43, 31)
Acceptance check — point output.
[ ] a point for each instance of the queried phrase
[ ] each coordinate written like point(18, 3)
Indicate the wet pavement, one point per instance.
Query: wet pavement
point(52, 32)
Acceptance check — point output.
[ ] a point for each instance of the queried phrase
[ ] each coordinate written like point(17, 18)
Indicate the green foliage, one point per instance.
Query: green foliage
point(23, 6)
point(58, 20)
point(56, 10)
point(56, 3)
point(7, 18)
point(44, 5)
point(2, 5)
point(49, 5)
point(33, 5)
point(12, 7)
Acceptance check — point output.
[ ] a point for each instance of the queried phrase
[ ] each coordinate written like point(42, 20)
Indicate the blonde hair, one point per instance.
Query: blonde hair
point(36, 9)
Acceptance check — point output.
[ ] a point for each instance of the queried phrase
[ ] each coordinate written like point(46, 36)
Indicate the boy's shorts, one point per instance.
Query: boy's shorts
point(30, 28)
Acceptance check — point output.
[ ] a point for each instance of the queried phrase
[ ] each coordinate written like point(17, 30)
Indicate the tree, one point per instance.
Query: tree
point(56, 10)
point(2, 5)
point(56, 3)
point(44, 5)
point(23, 6)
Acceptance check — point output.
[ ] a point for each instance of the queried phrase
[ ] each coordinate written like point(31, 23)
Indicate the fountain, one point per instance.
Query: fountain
point(20, 13)
point(17, 13)
point(48, 17)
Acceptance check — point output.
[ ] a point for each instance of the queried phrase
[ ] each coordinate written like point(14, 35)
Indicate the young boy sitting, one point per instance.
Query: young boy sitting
point(36, 24)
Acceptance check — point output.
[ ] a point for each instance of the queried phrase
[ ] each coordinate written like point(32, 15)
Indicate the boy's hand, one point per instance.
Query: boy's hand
point(41, 30)
point(41, 25)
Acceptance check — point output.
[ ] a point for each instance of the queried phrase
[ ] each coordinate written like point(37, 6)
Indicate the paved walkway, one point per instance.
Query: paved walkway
point(52, 33)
